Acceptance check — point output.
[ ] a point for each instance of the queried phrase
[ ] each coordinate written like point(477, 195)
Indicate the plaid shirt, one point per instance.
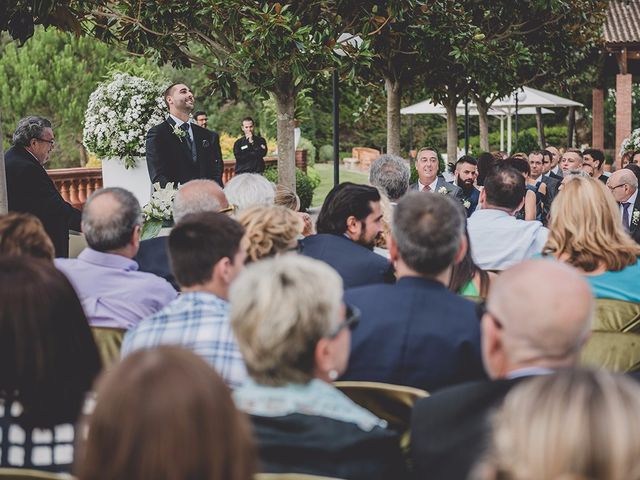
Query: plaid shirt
point(198, 321)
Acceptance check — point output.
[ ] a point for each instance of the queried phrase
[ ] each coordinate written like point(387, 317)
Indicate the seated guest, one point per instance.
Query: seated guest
point(595, 158)
point(23, 234)
point(293, 331)
point(467, 278)
point(498, 239)
point(206, 255)
point(349, 222)
point(249, 190)
point(194, 196)
point(427, 165)
point(586, 233)
point(577, 424)
point(486, 162)
point(466, 173)
point(48, 361)
point(522, 336)
point(416, 332)
point(270, 231)
point(623, 185)
point(286, 197)
point(534, 195)
point(391, 174)
point(164, 414)
point(112, 290)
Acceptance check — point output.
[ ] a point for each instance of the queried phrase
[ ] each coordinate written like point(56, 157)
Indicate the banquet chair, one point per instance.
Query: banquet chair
point(615, 337)
point(290, 476)
point(25, 474)
point(108, 341)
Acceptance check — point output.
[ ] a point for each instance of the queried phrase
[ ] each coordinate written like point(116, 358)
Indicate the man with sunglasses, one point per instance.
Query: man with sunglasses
point(521, 337)
point(417, 332)
point(29, 188)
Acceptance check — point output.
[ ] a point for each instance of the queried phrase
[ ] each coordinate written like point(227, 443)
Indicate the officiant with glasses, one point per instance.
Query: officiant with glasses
point(177, 150)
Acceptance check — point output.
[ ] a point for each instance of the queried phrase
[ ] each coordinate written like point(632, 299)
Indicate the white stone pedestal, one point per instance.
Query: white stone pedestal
point(135, 179)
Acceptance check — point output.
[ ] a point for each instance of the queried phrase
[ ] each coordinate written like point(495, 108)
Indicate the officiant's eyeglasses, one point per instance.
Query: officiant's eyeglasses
point(50, 142)
point(613, 188)
point(229, 210)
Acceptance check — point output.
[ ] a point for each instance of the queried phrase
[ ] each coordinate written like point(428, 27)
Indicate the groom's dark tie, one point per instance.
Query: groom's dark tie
point(185, 127)
point(625, 215)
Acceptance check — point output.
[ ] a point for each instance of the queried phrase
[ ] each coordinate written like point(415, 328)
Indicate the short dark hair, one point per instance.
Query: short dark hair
point(168, 91)
point(198, 242)
point(428, 229)
point(466, 159)
point(504, 187)
point(343, 201)
point(248, 119)
point(198, 113)
point(547, 153)
point(517, 163)
point(597, 155)
point(48, 357)
point(29, 128)
point(486, 162)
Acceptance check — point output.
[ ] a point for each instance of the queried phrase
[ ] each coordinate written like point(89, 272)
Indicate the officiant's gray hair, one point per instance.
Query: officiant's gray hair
point(197, 196)
point(29, 128)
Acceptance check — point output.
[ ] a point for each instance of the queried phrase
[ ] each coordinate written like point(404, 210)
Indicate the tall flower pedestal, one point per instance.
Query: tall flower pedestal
point(136, 179)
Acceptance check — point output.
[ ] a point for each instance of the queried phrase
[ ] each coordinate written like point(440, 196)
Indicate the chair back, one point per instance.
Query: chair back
point(615, 337)
point(77, 243)
point(290, 476)
point(25, 474)
point(109, 341)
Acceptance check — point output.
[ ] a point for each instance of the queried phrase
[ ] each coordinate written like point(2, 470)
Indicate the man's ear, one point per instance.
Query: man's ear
point(352, 225)
point(492, 348)
point(483, 198)
point(135, 236)
point(394, 255)
point(222, 270)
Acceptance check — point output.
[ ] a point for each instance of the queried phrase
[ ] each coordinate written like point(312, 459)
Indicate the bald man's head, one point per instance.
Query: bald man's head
point(198, 196)
point(538, 315)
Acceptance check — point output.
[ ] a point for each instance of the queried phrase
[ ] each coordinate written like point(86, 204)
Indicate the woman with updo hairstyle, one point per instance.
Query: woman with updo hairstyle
point(585, 231)
point(165, 414)
point(573, 425)
point(270, 231)
point(294, 334)
point(24, 234)
point(48, 362)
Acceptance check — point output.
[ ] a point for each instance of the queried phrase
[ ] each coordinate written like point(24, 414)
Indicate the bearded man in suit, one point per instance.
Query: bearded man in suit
point(177, 150)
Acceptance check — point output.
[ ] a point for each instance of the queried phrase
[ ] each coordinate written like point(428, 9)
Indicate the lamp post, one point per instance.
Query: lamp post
point(352, 41)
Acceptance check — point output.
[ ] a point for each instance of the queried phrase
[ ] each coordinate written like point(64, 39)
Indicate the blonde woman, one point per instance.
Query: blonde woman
point(286, 197)
point(586, 232)
point(270, 231)
point(575, 425)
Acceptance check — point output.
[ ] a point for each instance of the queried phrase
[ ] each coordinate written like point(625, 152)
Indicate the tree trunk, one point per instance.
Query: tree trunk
point(540, 124)
point(483, 121)
point(452, 132)
point(285, 107)
point(394, 92)
point(571, 126)
point(4, 204)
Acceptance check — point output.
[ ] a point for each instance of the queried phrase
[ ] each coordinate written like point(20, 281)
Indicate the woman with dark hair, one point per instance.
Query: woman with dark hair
point(467, 278)
point(486, 162)
point(48, 361)
point(165, 414)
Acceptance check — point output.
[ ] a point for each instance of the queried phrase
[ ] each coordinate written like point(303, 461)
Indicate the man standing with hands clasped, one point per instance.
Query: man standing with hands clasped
point(249, 150)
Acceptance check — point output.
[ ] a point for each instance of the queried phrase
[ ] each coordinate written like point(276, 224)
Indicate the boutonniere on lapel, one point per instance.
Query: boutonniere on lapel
point(178, 132)
point(205, 144)
point(443, 190)
point(635, 218)
point(466, 204)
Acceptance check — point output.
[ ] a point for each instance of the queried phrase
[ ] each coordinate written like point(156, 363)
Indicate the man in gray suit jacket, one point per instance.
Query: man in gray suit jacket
point(428, 179)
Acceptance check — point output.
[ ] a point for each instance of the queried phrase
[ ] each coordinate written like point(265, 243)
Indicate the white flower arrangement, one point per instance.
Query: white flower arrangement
point(635, 217)
point(120, 112)
point(631, 143)
point(159, 210)
point(467, 204)
point(443, 190)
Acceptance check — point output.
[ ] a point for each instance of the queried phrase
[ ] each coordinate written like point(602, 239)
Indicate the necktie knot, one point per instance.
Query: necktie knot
point(426, 188)
point(185, 127)
point(625, 205)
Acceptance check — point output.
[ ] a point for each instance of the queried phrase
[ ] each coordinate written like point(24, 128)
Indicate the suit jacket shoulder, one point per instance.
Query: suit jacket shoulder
point(153, 257)
point(449, 430)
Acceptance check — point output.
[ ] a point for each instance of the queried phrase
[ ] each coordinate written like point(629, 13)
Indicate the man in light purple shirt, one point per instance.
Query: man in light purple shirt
point(112, 290)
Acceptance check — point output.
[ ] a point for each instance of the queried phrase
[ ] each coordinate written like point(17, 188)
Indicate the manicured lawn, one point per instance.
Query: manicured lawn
point(326, 174)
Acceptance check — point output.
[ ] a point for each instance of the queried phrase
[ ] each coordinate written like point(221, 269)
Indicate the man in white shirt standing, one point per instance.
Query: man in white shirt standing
point(623, 185)
point(498, 239)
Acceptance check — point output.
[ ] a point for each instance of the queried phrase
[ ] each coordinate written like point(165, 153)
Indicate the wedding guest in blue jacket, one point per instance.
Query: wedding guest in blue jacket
point(417, 332)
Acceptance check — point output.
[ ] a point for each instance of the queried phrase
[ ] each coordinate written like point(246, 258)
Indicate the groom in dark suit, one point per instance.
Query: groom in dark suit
point(179, 151)
point(521, 337)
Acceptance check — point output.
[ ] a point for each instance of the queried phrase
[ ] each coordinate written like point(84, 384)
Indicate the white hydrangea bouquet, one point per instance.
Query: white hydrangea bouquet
point(631, 143)
point(120, 112)
point(159, 210)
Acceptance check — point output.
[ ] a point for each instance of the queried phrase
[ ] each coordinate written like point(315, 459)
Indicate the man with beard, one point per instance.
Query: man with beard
point(466, 173)
point(417, 332)
point(349, 222)
point(177, 150)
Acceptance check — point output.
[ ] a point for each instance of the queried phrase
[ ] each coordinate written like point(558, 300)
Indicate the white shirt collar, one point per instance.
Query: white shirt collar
point(432, 185)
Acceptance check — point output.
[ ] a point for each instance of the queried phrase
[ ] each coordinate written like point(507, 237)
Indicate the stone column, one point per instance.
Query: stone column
point(597, 127)
point(623, 111)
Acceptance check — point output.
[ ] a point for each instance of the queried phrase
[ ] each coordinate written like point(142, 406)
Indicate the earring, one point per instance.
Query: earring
point(333, 374)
